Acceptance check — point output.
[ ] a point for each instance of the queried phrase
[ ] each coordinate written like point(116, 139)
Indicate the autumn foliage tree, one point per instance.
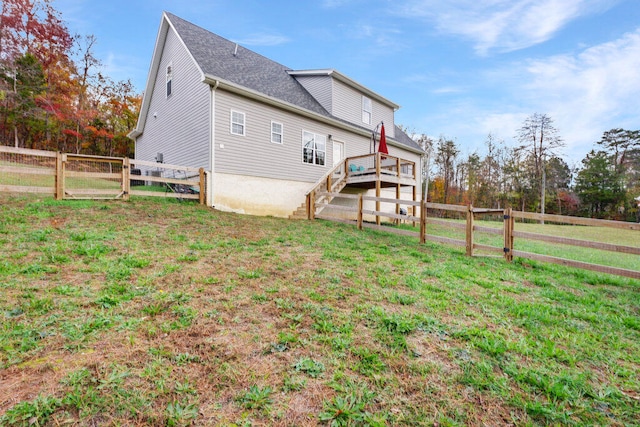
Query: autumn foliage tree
point(52, 93)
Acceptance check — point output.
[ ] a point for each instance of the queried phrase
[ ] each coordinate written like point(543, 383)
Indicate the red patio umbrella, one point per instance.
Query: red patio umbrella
point(382, 147)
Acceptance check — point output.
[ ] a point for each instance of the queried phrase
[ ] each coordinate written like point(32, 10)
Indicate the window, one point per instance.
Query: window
point(169, 78)
point(276, 132)
point(314, 148)
point(237, 123)
point(366, 110)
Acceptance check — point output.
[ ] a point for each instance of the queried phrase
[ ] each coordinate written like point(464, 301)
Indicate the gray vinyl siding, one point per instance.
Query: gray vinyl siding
point(254, 154)
point(181, 129)
point(320, 87)
point(347, 105)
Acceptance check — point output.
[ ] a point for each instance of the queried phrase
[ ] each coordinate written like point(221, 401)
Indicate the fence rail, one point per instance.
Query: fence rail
point(76, 176)
point(470, 229)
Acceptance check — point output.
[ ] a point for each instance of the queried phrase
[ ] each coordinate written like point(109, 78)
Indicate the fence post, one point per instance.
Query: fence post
point(508, 235)
point(63, 177)
point(423, 221)
point(126, 178)
point(203, 186)
point(59, 190)
point(470, 230)
point(311, 205)
point(360, 207)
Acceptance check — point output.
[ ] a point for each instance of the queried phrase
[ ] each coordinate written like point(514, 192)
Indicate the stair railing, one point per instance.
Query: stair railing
point(331, 180)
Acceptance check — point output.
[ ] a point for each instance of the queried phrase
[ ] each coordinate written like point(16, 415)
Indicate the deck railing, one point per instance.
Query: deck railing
point(380, 164)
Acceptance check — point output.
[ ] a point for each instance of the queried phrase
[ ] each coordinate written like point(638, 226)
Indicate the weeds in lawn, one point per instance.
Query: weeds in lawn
point(310, 367)
point(256, 398)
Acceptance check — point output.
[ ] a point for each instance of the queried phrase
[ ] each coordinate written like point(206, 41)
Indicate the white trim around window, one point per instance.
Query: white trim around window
point(367, 110)
point(314, 148)
point(237, 124)
point(277, 132)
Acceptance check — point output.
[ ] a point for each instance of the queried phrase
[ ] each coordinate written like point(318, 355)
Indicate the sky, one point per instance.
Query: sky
point(462, 69)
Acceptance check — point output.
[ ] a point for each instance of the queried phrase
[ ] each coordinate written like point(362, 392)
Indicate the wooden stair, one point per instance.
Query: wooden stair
point(300, 213)
point(333, 181)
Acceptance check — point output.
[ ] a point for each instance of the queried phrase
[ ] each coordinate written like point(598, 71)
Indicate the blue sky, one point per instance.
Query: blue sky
point(458, 68)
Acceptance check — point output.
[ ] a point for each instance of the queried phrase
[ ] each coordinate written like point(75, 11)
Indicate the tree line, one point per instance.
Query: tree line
point(53, 95)
point(531, 175)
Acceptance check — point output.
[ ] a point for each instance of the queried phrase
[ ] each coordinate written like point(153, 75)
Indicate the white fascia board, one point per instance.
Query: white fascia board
point(350, 82)
point(260, 97)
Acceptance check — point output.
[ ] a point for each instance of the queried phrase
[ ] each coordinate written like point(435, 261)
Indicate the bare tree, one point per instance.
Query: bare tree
point(540, 139)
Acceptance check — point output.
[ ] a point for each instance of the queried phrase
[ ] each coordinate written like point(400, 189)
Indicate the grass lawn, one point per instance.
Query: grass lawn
point(154, 312)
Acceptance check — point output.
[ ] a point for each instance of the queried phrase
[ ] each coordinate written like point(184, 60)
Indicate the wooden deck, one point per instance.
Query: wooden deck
point(369, 171)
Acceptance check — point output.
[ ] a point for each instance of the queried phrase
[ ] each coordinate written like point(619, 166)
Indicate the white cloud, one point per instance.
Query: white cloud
point(377, 36)
point(585, 93)
point(444, 90)
point(503, 25)
point(590, 92)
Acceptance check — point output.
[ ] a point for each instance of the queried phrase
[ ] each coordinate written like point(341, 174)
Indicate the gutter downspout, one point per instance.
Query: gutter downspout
point(212, 142)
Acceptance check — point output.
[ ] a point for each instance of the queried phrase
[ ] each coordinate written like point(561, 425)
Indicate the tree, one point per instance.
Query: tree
point(31, 32)
point(474, 178)
point(21, 109)
point(623, 147)
point(558, 180)
point(599, 185)
point(492, 185)
point(518, 179)
point(540, 139)
point(445, 159)
point(53, 96)
point(618, 142)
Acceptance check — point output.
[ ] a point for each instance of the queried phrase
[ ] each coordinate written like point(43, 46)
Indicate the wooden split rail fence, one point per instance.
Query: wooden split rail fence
point(76, 176)
point(356, 209)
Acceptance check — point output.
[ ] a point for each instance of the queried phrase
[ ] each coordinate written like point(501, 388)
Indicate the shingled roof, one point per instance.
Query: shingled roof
point(223, 59)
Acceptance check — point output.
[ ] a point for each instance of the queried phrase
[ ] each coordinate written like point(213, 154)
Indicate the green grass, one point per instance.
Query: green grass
point(164, 313)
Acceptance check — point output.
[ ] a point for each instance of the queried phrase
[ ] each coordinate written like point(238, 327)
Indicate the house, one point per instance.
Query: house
point(264, 132)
